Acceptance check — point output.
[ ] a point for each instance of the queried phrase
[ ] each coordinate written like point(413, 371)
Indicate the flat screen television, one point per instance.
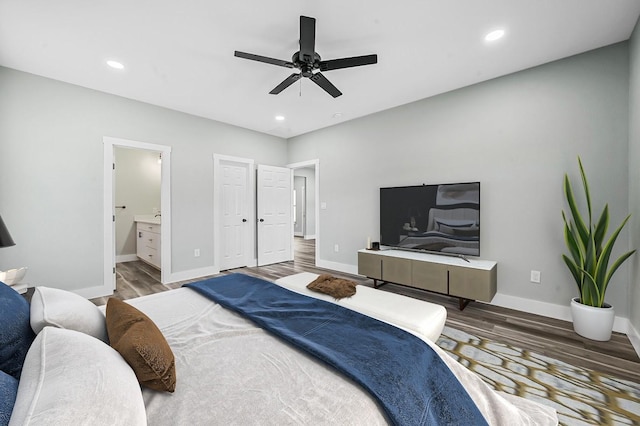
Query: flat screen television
point(435, 218)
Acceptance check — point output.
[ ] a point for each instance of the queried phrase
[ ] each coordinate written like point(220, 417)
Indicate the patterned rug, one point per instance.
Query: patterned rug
point(581, 396)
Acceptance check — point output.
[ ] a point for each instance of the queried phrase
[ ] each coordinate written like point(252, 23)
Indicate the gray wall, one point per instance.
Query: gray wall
point(634, 174)
point(51, 166)
point(518, 135)
point(137, 186)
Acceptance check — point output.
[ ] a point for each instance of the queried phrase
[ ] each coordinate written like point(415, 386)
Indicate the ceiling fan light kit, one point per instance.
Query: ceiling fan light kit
point(308, 62)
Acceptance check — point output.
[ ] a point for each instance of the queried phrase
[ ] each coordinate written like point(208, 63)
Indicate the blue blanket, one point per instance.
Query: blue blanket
point(407, 378)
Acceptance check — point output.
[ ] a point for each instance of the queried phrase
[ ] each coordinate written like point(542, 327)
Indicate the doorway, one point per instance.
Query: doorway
point(137, 196)
point(310, 171)
point(162, 157)
point(299, 205)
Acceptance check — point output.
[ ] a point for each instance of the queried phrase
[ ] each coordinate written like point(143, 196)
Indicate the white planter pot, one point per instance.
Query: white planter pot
point(592, 323)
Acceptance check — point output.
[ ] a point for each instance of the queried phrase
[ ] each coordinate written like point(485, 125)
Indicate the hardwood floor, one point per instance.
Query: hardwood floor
point(546, 336)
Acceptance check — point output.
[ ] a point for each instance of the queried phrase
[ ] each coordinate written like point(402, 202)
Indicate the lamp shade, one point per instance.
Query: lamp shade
point(5, 237)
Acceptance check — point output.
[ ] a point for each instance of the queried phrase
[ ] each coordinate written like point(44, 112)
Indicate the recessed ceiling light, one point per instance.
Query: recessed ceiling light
point(280, 117)
point(337, 115)
point(115, 64)
point(494, 35)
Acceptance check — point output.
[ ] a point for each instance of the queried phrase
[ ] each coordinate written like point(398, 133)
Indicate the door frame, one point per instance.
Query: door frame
point(109, 144)
point(251, 258)
point(316, 165)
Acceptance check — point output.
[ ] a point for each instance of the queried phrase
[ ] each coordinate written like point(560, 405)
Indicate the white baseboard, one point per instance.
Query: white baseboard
point(562, 312)
point(93, 292)
point(634, 338)
point(335, 266)
point(191, 274)
point(126, 258)
point(551, 310)
point(546, 309)
point(310, 237)
point(103, 291)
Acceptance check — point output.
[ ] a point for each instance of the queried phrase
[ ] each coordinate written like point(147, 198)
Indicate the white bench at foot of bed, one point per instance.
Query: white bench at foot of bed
point(424, 319)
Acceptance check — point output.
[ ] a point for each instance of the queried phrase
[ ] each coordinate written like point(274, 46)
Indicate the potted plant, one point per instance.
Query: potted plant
point(588, 262)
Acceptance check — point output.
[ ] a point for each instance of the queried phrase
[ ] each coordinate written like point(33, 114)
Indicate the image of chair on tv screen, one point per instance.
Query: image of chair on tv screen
point(453, 224)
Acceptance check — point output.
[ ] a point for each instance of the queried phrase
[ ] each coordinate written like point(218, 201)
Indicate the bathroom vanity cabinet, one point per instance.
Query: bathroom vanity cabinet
point(148, 242)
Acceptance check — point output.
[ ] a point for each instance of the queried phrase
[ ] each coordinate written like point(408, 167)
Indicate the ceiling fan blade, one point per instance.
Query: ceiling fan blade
point(325, 84)
point(356, 61)
point(307, 39)
point(264, 59)
point(286, 83)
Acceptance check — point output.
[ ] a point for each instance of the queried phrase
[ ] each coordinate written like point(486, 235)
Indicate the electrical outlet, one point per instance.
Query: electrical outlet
point(535, 277)
point(336, 248)
point(196, 253)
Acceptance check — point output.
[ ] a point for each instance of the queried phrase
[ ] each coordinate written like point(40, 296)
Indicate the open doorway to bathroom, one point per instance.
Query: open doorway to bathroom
point(138, 226)
point(137, 196)
point(137, 214)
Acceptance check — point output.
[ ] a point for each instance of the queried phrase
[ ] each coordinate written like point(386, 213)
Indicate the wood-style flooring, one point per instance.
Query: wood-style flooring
point(546, 336)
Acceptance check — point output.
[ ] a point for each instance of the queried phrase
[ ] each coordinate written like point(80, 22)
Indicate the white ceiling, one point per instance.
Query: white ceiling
point(179, 54)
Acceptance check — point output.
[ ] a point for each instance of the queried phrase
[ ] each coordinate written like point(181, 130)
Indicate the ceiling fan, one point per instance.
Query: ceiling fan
point(308, 61)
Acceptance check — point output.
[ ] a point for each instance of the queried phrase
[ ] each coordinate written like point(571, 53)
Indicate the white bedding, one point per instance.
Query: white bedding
point(231, 372)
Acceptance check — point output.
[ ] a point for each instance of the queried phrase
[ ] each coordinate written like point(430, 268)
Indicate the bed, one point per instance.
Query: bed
point(227, 369)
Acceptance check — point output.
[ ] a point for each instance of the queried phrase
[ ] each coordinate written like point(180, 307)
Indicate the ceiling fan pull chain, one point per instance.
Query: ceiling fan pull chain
point(300, 88)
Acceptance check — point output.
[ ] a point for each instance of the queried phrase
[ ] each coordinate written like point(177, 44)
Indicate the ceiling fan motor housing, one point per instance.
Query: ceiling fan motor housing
point(306, 67)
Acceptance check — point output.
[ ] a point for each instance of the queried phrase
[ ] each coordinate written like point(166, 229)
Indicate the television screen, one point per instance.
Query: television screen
point(437, 218)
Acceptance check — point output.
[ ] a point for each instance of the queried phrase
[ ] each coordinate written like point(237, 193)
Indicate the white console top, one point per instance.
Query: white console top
point(435, 258)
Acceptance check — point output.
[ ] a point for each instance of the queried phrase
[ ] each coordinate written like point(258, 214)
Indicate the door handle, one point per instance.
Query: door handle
point(244, 220)
point(261, 220)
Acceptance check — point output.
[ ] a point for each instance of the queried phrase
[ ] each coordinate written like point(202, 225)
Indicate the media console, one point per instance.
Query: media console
point(465, 279)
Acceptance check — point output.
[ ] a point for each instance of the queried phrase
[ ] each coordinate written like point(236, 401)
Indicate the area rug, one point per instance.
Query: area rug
point(580, 396)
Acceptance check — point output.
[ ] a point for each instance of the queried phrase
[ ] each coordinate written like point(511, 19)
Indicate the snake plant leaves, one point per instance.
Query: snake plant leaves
point(589, 249)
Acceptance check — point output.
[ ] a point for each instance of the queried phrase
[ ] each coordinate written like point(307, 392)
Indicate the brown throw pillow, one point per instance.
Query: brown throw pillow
point(338, 288)
point(142, 345)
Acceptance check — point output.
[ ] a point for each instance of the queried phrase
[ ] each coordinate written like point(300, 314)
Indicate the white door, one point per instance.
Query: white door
point(234, 214)
point(274, 214)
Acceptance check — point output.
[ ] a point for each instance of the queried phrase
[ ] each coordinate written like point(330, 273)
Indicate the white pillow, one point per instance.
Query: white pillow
point(63, 309)
point(70, 378)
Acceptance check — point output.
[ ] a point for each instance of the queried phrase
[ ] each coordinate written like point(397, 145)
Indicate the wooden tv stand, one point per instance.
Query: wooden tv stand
point(467, 280)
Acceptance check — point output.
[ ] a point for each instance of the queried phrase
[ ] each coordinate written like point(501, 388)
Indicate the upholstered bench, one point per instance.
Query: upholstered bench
point(424, 319)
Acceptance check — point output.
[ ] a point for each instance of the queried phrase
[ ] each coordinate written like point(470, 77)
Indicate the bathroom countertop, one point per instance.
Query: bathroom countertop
point(147, 218)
